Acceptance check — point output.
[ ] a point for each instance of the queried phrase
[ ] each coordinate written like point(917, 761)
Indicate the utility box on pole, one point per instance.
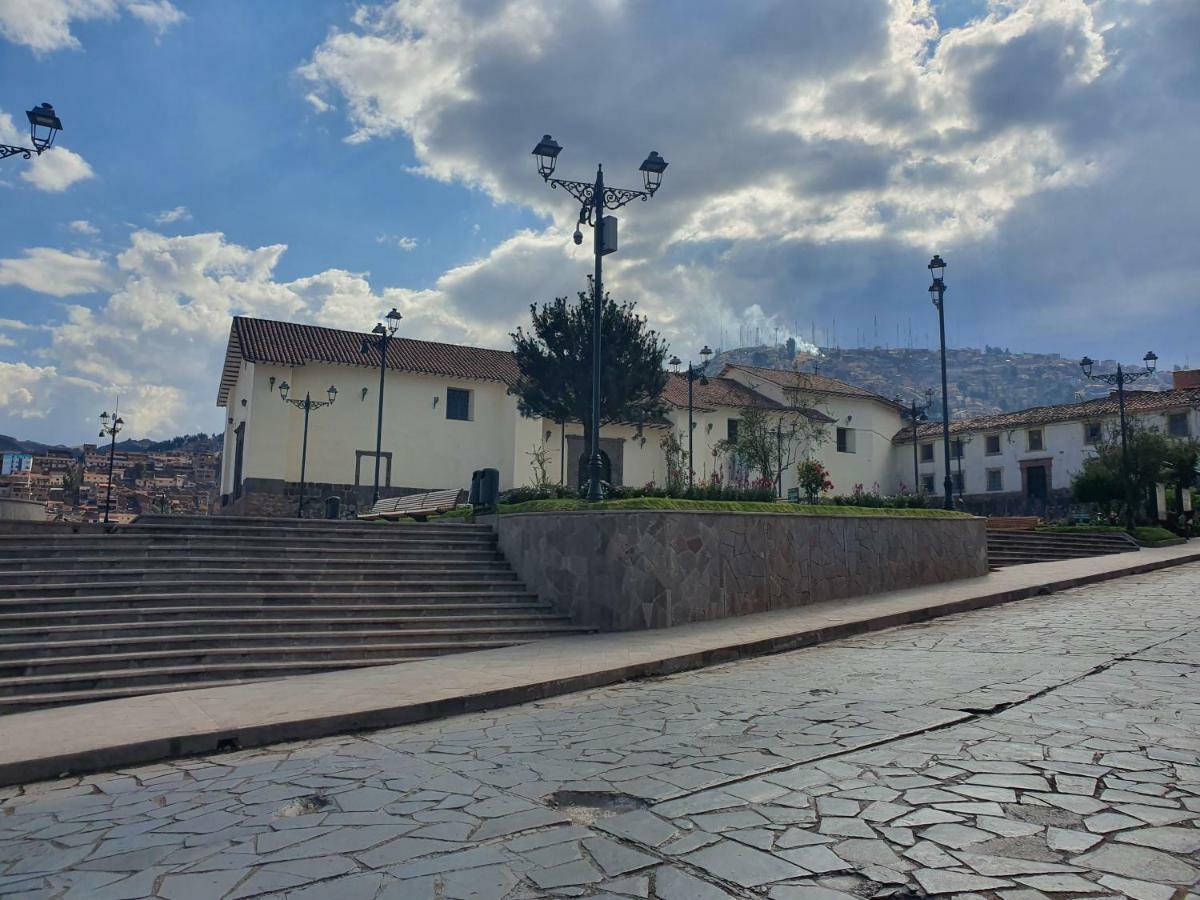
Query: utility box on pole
point(608, 235)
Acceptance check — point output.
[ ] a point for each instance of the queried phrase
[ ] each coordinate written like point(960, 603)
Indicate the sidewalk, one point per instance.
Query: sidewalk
point(118, 733)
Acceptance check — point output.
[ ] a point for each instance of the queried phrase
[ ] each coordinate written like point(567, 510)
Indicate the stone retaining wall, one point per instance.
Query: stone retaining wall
point(634, 569)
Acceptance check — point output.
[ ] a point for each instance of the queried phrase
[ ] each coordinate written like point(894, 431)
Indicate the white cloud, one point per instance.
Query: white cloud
point(45, 25)
point(158, 339)
point(55, 170)
point(14, 325)
point(6, 341)
point(407, 244)
point(83, 226)
point(819, 151)
point(56, 272)
point(317, 102)
point(178, 214)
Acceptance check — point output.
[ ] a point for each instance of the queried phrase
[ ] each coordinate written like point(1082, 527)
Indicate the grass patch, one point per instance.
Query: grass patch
point(661, 503)
point(1152, 534)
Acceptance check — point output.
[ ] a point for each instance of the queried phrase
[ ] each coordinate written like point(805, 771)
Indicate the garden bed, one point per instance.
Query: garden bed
point(727, 506)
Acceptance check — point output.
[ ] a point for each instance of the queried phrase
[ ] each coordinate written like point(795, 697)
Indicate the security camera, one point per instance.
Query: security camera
point(578, 235)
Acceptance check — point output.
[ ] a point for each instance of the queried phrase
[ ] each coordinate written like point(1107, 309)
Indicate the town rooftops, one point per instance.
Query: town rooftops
point(807, 382)
point(292, 344)
point(716, 394)
point(1084, 411)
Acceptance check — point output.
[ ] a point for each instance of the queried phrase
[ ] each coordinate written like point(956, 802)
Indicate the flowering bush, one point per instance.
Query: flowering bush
point(813, 479)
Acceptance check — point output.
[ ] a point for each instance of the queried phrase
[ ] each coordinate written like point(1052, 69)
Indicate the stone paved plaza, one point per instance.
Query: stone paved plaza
point(1047, 748)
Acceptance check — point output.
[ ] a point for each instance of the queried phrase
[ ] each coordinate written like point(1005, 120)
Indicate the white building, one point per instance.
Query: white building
point(448, 412)
point(1023, 462)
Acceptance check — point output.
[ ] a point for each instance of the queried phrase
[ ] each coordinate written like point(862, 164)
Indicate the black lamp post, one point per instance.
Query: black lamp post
point(694, 374)
point(44, 126)
point(594, 198)
point(1120, 378)
point(110, 428)
point(914, 414)
point(779, 436)
point(308, 404)
point(937, 293)
point(384, 335)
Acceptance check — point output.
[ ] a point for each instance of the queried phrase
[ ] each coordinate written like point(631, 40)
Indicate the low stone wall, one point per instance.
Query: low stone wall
point(634, 569)
point(277, 499)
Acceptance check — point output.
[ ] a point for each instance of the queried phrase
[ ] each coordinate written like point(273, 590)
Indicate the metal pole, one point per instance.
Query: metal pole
point(691, 468)
point(779, 456)
point(948, 483)
point(562, 454)
point(112, 449)
point(595, 466)
point(916, 464)
point(383, 348)
point(304, 455)
point(1127, 479)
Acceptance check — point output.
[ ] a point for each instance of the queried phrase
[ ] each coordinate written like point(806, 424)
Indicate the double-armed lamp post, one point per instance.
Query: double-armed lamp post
point(937, 293)
point(44, 126)
point(694, 374)
point(914, 414)
point(308, 404)
point(110, 427)
point(594, 198)
point(1120, 378)
point(383, 337)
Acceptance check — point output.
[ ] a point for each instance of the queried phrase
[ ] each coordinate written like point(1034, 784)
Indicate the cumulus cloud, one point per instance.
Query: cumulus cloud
point(83, 226)
point(45, 26)
point(55, 170)
point(56, 272)
point(178, 214)
point(407, 244)
point(819, 152)
point(158, 338)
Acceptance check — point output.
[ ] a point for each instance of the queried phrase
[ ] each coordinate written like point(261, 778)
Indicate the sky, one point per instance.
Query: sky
point(323, 162)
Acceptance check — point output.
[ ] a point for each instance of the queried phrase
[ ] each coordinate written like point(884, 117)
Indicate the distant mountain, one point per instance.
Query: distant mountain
point(981, 382)
point(17, 445)
point(192, 442)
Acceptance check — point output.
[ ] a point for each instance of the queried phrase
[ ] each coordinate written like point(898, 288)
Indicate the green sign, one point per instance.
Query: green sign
point(793, 495)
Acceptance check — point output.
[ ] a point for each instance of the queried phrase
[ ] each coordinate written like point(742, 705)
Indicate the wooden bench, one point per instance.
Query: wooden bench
point(1013, 523)
point(415, 506)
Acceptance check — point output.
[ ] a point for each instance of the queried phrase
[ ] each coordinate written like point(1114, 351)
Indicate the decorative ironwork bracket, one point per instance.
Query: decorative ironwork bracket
point(1121, 378)
point(7, 150)
point(585, 193)
point(308, 404)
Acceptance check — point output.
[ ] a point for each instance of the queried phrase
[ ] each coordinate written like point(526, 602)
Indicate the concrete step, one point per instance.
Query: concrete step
point(133, 590)
point(198, 540)
point(219, 574)
point(25, 702)
point(313, 524)
point(228, 642)
point(354, 532)
point(54, 631)
point(233, 561)
point(167, 615)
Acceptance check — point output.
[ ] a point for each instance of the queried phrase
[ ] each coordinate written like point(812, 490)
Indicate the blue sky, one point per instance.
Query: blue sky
point(324, 161)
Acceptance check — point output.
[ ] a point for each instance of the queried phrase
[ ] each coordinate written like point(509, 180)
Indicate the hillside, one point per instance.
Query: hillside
point(980, 381)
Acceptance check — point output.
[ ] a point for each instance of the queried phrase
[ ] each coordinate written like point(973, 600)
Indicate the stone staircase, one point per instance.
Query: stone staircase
point(171, 603)
point(1016, 548)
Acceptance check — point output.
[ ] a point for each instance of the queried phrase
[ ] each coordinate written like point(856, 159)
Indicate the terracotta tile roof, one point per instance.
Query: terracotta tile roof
point(808, 382)
point(292, 344)
point(719, 392)
point(1084, 411)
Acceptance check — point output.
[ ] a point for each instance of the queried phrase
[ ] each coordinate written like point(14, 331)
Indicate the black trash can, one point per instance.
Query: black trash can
point(333, 507)
point(473, 495)
point(486, 489)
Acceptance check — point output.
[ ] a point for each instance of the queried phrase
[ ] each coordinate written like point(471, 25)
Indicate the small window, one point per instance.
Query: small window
point(458, 404)
point(927, 453)
point(927, 485)
point(956, 448)
point(1035, 439)
point(995, 479)
point(1177, 425)
point(1091, 433)
point(845, 440)
point(731, 430)
point(992, 445)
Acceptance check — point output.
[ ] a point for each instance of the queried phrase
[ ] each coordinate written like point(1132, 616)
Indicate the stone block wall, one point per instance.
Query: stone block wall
point(277, 499)
point(635, 569)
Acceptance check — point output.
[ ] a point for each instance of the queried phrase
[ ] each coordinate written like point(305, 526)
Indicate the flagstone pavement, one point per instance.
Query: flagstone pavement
point(1045, 748)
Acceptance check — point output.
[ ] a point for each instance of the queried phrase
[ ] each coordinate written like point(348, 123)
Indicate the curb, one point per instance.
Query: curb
point(219, 740)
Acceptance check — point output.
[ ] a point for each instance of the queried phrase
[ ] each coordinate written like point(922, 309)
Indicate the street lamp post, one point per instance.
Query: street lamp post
point(1120, 378)
point(915, 415)
point(44, 126)
point(384, 335)
point(594, 198)
point(779, 434)
point(308, 404)
point(937, 293)
point(694, 374)
point(110, 428)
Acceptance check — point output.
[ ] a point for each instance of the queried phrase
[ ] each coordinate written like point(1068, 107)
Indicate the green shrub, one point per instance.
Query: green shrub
point(1152, 534)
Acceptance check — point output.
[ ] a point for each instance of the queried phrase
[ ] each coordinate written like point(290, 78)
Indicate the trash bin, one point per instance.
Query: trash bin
point(473, 496)
point(489, 487)
point(333, 507)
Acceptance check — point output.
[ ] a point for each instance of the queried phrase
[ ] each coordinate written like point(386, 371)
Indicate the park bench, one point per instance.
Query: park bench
point(415, 506)
point(1013, 523)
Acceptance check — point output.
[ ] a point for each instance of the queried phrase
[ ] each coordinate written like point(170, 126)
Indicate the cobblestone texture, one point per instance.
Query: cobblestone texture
point(1048, 748)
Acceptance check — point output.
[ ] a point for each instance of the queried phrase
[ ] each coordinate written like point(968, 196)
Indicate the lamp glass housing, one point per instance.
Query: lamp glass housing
point(332, 392)
point(283, 390)
point(547, 151)
point(937, 267)
point(1086, 365)
point(393, 320)
point(652, 169)
point(44, 125)
point(1151, 361)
